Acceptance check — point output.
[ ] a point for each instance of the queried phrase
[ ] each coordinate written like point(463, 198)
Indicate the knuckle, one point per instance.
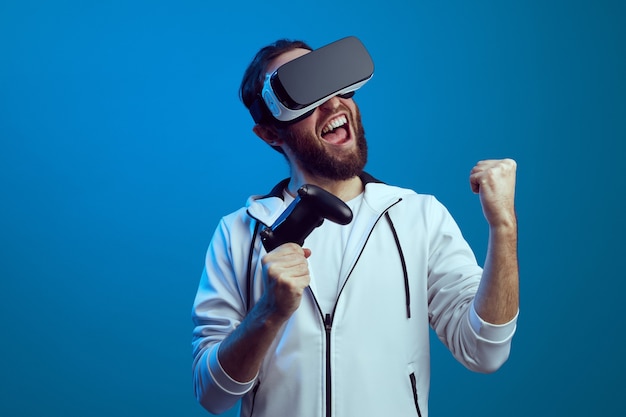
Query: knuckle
point(292, 247)
point(511, 163)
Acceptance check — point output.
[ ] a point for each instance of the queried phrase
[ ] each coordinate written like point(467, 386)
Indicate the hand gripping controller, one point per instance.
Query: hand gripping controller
point(307, 211)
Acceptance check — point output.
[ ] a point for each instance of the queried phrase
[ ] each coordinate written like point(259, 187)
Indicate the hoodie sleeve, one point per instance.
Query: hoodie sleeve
point(218, 309)
point(453, 279)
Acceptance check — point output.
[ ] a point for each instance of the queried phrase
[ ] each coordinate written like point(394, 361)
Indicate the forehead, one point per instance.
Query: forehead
point(284, 58)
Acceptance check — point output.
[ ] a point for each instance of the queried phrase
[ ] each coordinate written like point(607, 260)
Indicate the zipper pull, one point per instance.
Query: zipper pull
point(328, 323)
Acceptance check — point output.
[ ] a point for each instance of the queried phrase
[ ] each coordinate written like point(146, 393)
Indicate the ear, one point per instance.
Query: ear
point(267, 134)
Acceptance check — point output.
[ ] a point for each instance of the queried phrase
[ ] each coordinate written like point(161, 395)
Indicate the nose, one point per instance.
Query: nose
point(331, 104)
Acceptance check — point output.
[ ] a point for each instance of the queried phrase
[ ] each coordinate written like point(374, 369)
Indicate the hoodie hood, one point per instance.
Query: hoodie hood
point(267, 208)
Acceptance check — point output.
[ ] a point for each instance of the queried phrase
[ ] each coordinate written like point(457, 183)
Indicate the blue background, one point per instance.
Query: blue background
point(124, 142)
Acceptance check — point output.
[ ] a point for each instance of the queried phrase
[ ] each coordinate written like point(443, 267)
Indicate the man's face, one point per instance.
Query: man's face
point(330, 143)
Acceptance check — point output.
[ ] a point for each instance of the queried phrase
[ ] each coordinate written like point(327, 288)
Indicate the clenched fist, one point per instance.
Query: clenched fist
point(494, 181)
point(286, 275)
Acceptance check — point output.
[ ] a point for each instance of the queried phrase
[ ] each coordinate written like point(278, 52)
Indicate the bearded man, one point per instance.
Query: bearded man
point(339, 326)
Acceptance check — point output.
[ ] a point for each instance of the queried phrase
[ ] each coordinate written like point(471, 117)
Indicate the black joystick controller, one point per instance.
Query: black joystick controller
point(307, 211)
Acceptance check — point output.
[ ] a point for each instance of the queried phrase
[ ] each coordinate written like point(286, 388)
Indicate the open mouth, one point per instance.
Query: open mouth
point(336, 130)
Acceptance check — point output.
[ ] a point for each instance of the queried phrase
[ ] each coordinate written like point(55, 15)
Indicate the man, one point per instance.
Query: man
point(340, 326)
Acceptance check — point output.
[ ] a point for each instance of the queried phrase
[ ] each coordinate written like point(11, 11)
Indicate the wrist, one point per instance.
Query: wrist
point(267, 315)
point(506, 223)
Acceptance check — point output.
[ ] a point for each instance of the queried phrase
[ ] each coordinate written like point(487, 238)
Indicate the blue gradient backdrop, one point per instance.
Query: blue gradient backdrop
point(123, 142)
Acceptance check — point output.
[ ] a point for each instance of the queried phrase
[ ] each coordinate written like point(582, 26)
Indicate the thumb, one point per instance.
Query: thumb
point(475, 186)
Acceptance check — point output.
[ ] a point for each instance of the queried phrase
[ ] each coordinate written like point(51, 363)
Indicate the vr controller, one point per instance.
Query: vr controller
point(307, 211)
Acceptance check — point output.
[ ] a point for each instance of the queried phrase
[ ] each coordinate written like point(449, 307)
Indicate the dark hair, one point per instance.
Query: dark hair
point(253, 78)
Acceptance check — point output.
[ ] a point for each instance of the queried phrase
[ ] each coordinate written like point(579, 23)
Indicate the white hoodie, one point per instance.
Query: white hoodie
point(370, 357)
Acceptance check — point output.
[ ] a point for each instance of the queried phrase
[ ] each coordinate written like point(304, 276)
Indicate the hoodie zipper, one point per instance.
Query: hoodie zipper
point(328, 325)
point(415, 398)
point(328, 318)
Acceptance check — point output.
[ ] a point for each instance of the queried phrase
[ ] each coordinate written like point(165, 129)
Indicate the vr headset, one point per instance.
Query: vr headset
point(296, 88)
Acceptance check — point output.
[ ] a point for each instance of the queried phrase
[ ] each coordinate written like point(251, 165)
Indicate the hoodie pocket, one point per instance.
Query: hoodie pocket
point(415, 397)
point(253, 399)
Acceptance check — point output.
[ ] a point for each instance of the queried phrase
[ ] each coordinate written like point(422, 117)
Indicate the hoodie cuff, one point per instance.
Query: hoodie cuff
point(222, 379)
point(492, 332)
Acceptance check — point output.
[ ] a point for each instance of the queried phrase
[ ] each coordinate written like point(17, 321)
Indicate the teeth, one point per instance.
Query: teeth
point(334, 124)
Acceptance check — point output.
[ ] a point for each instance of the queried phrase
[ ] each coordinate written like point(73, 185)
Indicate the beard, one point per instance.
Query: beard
point(319, 161)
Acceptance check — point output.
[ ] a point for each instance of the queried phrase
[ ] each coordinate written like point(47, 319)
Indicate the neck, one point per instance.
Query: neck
point(344, 189)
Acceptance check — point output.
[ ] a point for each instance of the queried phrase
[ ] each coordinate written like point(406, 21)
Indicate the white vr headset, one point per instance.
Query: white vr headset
point(296, 88)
